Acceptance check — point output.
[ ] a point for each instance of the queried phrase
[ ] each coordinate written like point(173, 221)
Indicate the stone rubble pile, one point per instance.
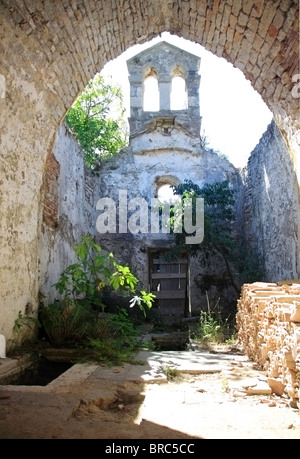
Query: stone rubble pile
point(268, 325)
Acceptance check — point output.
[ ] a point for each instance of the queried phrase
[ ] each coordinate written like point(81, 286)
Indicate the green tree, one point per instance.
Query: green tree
point(220, 239)
point(91, 120)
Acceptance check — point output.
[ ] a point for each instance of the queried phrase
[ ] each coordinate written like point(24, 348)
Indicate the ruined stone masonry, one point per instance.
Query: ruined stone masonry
point(268, 323)
point(51, 198)
point(164, 149)
point(271, 205)
point(50, 50)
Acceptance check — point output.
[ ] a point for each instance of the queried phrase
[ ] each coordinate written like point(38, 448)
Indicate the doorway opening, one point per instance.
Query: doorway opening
point(170, 283)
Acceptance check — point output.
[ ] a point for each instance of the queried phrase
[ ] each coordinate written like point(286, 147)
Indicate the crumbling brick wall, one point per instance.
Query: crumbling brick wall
point(51, 183)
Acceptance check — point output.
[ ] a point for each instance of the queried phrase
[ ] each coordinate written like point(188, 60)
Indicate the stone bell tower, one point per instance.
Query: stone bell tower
point(164, 64)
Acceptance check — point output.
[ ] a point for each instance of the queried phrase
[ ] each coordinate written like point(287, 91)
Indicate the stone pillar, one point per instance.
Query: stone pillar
point(136, 96)
point(164, 85)
point(193, 84)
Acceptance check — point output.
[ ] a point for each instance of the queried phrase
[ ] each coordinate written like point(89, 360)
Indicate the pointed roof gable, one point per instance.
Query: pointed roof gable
point(161, 50)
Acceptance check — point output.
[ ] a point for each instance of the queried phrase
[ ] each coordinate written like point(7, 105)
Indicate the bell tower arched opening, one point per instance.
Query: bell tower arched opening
point(151, 96)
point(179, 94)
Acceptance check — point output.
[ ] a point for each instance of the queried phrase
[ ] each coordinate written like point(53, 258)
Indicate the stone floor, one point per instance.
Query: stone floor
point(210, 399)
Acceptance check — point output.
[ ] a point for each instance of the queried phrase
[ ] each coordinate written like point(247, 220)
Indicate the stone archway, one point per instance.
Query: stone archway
point(50, 50)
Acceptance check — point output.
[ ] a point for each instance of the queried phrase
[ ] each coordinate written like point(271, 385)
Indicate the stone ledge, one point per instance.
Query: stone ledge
point(11, 369)
point(61, 354)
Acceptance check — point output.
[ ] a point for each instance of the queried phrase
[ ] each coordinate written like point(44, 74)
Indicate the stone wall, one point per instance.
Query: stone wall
point(266, 202)
point(268, 319)
point(138, 170)
point(271, 207)
point(268, 323)
point(68, 211)
point(165, 61)
point(77, 191)
point(49, 51)
point(51, 191)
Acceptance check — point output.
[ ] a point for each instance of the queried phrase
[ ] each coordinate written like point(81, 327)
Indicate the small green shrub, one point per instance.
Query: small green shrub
point(124, 330)
point(109, 338)
point(78, 319)
point(171, 373)
point(109, 351)
point(66, 324)
point(117, 343)
point(213, 328)
point(25, 335)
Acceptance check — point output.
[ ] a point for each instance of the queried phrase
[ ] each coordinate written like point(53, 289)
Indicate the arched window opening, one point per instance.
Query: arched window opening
point(179, 99)
point(164, 190)
point(165, 194)
point(150, 91)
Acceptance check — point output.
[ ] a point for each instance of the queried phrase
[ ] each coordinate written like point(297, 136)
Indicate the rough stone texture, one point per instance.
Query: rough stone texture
point(139, 171)
point(51, 197)
point(271, 206)
point(269, 331)
point(49, 51)
point(165, 61)
point(64, 224)
point(159, 144)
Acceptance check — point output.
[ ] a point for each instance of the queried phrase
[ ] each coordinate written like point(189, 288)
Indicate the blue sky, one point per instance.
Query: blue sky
point(234, 117)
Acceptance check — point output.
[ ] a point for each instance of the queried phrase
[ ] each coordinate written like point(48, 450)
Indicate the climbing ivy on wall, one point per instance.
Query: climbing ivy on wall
point(97, 120)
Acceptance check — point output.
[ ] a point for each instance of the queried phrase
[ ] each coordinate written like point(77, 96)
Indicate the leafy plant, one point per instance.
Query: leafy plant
point(213, 328)
point(225, 385)
point(171, 373)
point(25, 329)
point(123, 278)
point(110, 339)
point(84, 282)
point(108, 351)
point(118, 342)
point(123, 327)
point(208, 328)
point(67, 324)
point(100, 134)
point(76, 320)
point(25, 321)
point(144, 300)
